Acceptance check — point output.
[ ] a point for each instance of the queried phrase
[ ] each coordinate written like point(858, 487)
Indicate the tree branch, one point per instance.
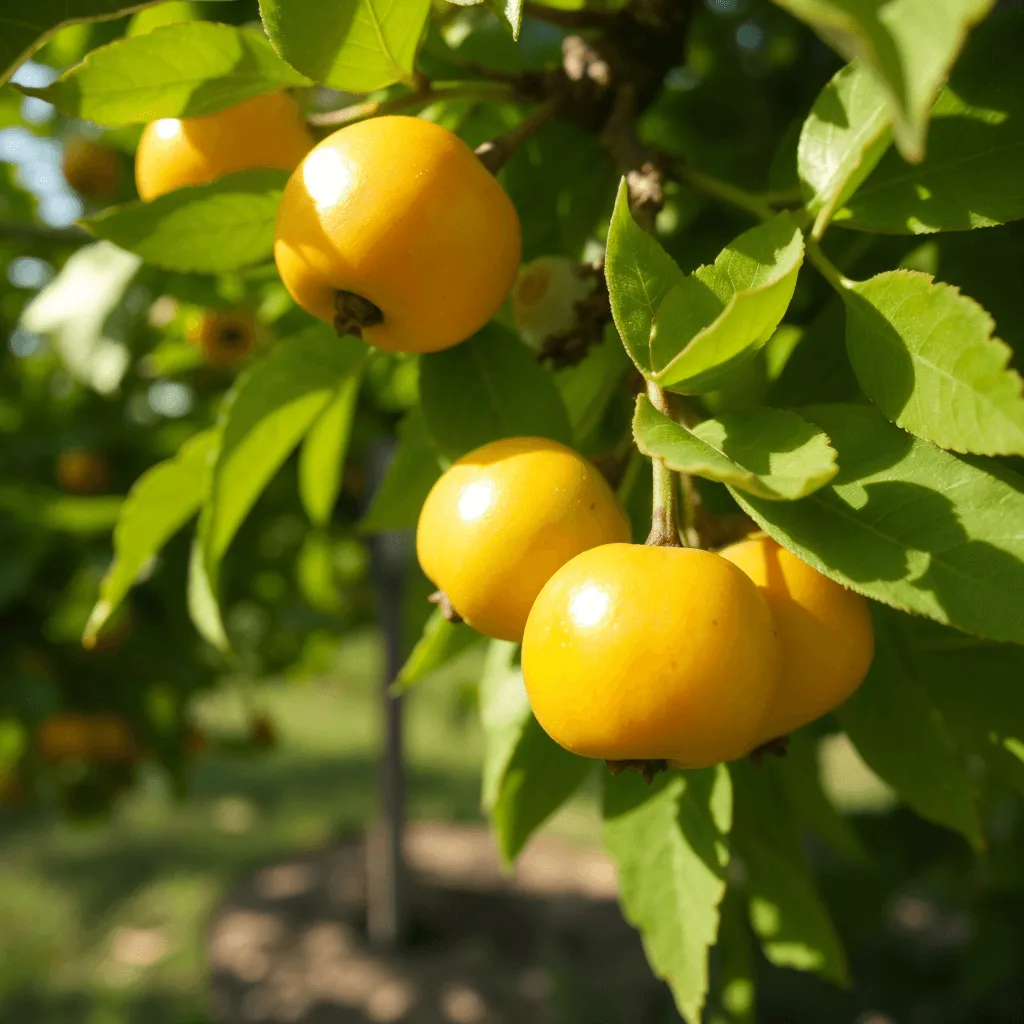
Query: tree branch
point(495, 153)
point(568, 19)
point(49, 236)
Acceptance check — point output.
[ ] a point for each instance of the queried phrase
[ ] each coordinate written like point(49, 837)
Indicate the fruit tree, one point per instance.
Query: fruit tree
point(696, 323)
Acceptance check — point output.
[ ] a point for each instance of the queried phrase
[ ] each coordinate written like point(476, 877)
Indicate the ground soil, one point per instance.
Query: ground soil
point(545, 946)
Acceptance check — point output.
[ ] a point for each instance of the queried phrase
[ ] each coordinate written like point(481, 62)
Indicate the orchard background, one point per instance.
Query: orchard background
point(206, 497)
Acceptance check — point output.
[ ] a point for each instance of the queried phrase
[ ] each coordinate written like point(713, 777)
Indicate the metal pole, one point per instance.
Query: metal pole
point(386, 912)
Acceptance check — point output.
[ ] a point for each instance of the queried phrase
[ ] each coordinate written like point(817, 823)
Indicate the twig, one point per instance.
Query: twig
point(410, 100)
point(37, 233)
point(715, 188)
point(573, 20)
point(495, 153)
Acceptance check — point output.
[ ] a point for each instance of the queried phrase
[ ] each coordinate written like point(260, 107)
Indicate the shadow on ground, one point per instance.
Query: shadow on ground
point(546, 946)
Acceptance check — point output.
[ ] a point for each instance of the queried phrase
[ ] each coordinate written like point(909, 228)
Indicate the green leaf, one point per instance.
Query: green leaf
point(37, 21)
point(413, 471)
point(512, 10)
point(716, 319)
point(224, 225)
point(185, 70)
point(538, 778)
point(640, 274)
point(487, 388)
point(262, 420)
point(772, 453)
point(786, 911)
point(589, 386)
point(926, 356)
point(800, 775)
point(902, 736)
point(909, 44)
point(975, 684)
point(971, 176)
point(669, 843)
point(37, 507)
point(440, 642)
point(203, 605)
point(910, 525)
point(162, 500)
point(352, 45)
point(737, 966)
point(322, 457)
point(844, 137)
point(315, 574)
point(504, 710)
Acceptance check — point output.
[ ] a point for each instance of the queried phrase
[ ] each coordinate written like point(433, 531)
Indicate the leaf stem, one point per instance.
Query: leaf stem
point(664, 528)
point(420, 97)
point(715, 188)
point(826, 267)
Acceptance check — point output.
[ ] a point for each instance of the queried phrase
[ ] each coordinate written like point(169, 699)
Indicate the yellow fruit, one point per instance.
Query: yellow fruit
point(225, 337)
point(73, 735)
point(400, 213)
point(90, 168)
point(82, 471)
point(825, 630)
point(651, 653)
point(545, 296)
point(503, 519)
point(63, 737)
point(265, 131)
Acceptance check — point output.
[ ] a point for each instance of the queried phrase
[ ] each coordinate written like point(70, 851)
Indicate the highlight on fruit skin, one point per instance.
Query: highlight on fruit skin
point(90, 168)
point(637, 653)
point(225, 337)
point(393, 230)
point(503, 519)
point(545, 296)
point(82, 471)
point(825, 630)
point(263, 132)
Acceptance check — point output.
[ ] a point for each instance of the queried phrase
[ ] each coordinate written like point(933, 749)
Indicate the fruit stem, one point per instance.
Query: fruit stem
point(353, 313)
point(777, 747)
point(445, 607)
point(664, 528)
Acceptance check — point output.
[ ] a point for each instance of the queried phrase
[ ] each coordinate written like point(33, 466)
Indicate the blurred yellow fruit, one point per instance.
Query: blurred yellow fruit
point(265, 131)
point(82, 471)
point(90, 168)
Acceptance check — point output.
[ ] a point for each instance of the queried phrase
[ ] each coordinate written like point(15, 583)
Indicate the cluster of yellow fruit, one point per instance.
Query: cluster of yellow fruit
point(636, 653)
point(394, 230)
point(392, 227)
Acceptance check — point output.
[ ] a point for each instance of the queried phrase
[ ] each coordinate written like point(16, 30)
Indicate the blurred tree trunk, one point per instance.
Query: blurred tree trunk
point(386, 911)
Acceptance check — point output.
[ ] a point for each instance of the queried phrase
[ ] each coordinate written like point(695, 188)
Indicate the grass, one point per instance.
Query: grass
point(103, 924)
